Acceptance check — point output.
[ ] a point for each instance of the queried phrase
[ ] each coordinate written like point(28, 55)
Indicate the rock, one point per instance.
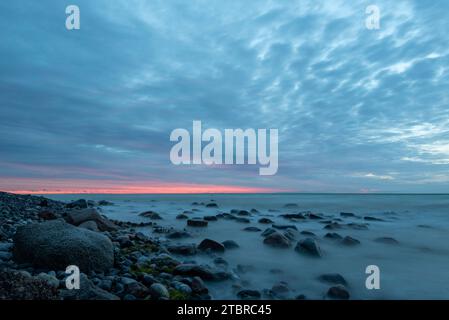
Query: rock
point(196, 223)
point(210, 218)
point(349, 241)
point(314, 216)
point(89, 225)
point(158, 291)
point(252, 229)
point(50, 280)
point(219, 261)
point(182, 287)
point(47, 215)
point(368, 218)
point(244, 268)
point(338, 292)
point(280, 289)
point(357, 226)
point(5, 246)
point(183, 249)
point(20, 285)
point(124, 241)
point(284, 226)
point(249, 294)
point(198, 286)
point(151, 214)
point(178, 235)
point(265, 220)
point(277, 240)
point(56, 244)
point(182, 216)
point(80, 204)
point(333, 278)
point(347, 214)
point(135, 288)
point(308, 233)
point(254, 210)
point(386, 240)
point(230, 244)
point(105, 203)
point(204, 272)
point(301, 297)
point(333, 236)
point(309, 247)
point(243, 213)
point(208, 244)
point(291, 205)
point(211, 205)
point(293, 216)
point(333, 226)
point(129, 297)
point(267, 232)
point(4, 255)
point(76, 217)
point(87, 291)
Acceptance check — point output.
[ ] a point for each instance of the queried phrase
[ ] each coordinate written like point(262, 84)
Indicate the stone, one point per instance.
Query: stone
point(347, 214)
point(89, 225)
point(182, 249)
point(178, 235)
point(182, 217)
point(230, 244)
point(204, 272)
point(158, 291)
point(249, 295)
point(210, 218)
point(211, 205)
point(277, 240)
point(242, 220)
point(284, 226)
point(151, 214)
point(333, 278)
point(197, 223)
point(368, 218)
point(290, 216)
point(47, 215)
point(87, 291)
point(243, 213)
point(56, 244)
point(349, 241)
point(265, 221)
point(50, 280)
point(308, 233)
point(198, 286)
point(267, 232)
point(208, 244)
point(291, 205)
point(80, 204)
point(338, 292)
point(308, 247)
point(252, 229)
point(76, 217)
point(333, 236)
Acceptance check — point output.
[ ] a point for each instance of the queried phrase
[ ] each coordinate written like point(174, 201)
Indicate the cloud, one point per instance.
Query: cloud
point(102, 101)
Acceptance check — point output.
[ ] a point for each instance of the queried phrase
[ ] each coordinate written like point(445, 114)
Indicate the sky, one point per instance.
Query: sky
point(91, 110)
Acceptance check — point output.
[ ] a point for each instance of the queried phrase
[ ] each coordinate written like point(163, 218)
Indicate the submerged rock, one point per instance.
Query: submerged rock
point(181, 216)
point(309, 247)
point(252, 229)
point(350, 241)
point(386, 240)
point(204, 272)
point(178, 235)
point(333, 278)
point(230, 244)
point(338, 292)
point(347, 214)
point(277, 240)
point(151, 214)
point(333, 236)
point(208, 244)
point(265, 221)
point(182, 249)
point(196, 223)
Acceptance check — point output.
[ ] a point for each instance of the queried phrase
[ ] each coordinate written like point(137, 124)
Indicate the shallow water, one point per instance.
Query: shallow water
point(414, 269)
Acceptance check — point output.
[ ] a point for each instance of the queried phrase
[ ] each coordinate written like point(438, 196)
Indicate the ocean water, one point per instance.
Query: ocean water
point(416, 268)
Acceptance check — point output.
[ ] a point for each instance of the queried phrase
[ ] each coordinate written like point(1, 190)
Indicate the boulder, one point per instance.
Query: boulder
point(308, 247)
point(277, 240)
point(182, 249)
point(89, 225)
point(80, 204)
point(76, 217)
point(252, 229)
point(151, 214)
point(197, 223)
point(56, 244)
point(265, 221)
point(47, 215)
point(208, 244)
point(230, 244)
point(338, 292)
point(350, 241)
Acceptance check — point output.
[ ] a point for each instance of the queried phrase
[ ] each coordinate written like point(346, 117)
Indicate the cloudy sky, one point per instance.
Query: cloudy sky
point(92, 110)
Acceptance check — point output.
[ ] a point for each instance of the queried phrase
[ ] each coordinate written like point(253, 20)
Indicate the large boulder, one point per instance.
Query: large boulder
point(56, 245)
point(77, 217)
point(308, 247)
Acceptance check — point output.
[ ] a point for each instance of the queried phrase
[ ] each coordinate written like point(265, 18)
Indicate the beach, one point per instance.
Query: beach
point(267, 246)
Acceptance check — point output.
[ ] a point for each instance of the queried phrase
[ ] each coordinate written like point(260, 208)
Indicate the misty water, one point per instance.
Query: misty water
point(416, 268)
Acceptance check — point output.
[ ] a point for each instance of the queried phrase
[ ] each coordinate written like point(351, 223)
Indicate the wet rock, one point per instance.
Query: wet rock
point(252, 229)
point(76, 217)
point(333, 278)
point(245, 268)
point(243, 213)
point(204, 272)
point(338, 292)
point(333, 236)
point(5, 246)
point(220, 262)
point(211, 205)
point(182, 249)
point(151, 214)
point(158, 291)
point(280, 289)
point(291, 205)
point(314, 216)
point(347, 214)
point(208, 244)
point(198, 286)
point(230, 244)
point(135, 288)
point(277, 240)
point(181, 216)
point(105, 203)
point(357, 226)
point(197, 223)
point(47, 215)
point(333, 226)
point(350, 241)
point(80, 204)
point(301, 297)
point(242, 220)
point(368, 218)
point(308, 247)
point(254, 210)
point(387, 240)
point(249, 295)
point(16, 285)
point(284, 226)
point(210, 218)
point(178, 235)
point(291, 216)
point(89, 225)
point(268, 231)
point(265, 221)
point(56, 244)
point(181, 287)
point(308, 233)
